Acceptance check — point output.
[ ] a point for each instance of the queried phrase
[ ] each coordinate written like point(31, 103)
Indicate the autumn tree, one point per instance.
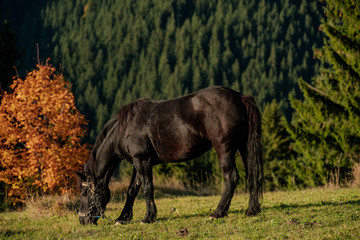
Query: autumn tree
point(40, 135)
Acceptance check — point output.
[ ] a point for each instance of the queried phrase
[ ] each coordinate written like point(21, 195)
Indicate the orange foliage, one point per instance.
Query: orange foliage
point(40, 135)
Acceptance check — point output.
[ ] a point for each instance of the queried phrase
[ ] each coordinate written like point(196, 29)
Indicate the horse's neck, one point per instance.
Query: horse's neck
point(99, 173)
point(105, 155)
point(103, 163)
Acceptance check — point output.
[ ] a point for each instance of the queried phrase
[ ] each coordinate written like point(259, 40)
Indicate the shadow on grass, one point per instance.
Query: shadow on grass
point(165, 192)
point(308, 205)
point(241, 212)
point(196, 215)
point(277, 207)
point(182, 216)
point(11, 233)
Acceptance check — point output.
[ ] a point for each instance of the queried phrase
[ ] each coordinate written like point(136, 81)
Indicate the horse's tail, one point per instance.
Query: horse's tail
point(253, 162)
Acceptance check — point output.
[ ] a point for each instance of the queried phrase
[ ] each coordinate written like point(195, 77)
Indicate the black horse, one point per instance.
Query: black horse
point(148, 132)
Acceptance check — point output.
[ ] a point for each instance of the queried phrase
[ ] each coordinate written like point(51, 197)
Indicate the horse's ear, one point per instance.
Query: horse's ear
point(80, 178)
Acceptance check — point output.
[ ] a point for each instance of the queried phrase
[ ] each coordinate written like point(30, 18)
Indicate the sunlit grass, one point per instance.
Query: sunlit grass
point(306, 214)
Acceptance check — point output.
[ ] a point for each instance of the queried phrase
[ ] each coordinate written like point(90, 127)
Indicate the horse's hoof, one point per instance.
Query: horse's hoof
point(121, 222)
point(146, 221)
point(252, 212)
point(216, 215)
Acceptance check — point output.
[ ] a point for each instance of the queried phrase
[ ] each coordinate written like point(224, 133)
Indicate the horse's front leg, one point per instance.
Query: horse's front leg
point(127, 213)
point(145, 172)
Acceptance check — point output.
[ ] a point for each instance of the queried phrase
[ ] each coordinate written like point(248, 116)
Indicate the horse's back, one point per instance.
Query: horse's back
point(186, 127)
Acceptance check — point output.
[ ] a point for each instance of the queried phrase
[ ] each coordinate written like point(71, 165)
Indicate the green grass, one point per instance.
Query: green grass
point(306, 214)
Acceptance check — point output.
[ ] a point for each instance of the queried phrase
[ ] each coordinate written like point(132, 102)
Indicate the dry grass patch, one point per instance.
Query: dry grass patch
point(52, 205)
point(356, 175)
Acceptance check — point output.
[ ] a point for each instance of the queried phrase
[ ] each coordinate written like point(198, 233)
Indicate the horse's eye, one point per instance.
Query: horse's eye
point(84, 192)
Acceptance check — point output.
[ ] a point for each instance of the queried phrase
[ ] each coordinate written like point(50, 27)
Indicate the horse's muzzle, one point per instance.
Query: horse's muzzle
point(88, 220)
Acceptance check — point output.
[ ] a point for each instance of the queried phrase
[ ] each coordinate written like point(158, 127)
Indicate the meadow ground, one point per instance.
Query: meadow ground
point(322, 213)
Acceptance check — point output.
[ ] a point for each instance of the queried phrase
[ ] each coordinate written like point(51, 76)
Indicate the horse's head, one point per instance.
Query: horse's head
point(93, 200)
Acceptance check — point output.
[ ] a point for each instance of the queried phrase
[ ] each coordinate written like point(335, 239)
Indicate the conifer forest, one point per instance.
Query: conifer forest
point(299, 59)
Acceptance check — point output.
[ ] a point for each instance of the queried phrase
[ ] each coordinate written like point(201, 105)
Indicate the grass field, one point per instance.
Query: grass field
point(323, 213)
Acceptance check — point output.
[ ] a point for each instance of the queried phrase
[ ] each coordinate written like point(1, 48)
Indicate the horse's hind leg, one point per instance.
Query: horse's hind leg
point(231, 178)
point(127, 212)
point(254, 205)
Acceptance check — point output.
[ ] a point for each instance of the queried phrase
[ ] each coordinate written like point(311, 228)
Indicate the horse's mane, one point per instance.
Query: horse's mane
point(91, 165)
point(124, 115)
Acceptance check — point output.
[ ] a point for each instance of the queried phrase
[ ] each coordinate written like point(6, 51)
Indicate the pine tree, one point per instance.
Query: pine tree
point(276, 148)
point(326, 126)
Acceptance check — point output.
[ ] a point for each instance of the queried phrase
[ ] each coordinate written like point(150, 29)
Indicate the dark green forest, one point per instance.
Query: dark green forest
point(114, 52)
point(117, 51)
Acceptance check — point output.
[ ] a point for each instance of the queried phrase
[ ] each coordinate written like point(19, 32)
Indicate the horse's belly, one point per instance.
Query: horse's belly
point(177, 148)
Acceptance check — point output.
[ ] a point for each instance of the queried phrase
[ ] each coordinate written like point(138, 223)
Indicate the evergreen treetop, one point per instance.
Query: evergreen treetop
point(326, 126)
